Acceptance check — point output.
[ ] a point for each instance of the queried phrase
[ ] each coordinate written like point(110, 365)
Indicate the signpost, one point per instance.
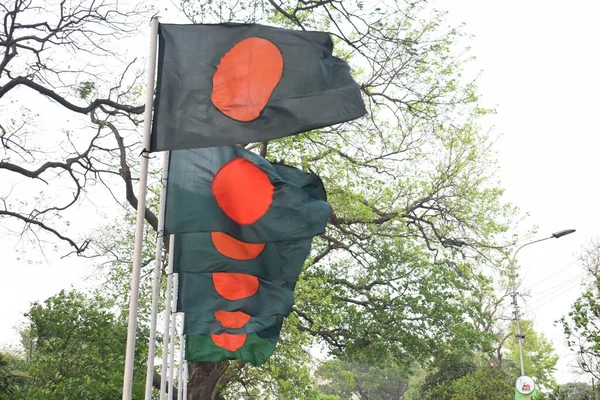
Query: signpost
point(525, 388)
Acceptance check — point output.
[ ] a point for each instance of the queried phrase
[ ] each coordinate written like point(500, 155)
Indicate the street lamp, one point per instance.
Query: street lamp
point(555, 235)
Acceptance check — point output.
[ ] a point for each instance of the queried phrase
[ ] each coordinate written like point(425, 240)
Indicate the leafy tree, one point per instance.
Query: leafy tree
point(461, 379)
point(75, 349)
point(351, 380)
point(485, 383)
point(12, 375)
point(538, 356)
point(573, 391)
point(582, 325)
point(438, 382)
point(402, 274)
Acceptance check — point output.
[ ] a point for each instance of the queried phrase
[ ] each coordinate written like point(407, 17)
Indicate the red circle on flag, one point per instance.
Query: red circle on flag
point(232, 319)
point(233, 286)
point(235, 249)
point(245, 78)
point(243, 191)
point(229, 341)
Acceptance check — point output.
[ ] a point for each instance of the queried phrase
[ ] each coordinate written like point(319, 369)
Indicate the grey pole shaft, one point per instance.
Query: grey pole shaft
point(172, 338)
point(165, 354)
point(515, 303)
point(181, 363)
point(185, 380)
point(139, 228)
point(519, 332)
point(156, 280)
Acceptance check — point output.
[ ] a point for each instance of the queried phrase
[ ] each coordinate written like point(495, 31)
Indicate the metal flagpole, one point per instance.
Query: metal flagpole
point(181, 362)
point(165, 354)
point(141, 209)
point(157, 276)
point(173, 336)
point(185, 379)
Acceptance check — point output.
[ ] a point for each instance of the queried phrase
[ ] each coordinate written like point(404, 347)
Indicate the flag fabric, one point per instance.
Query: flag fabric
point(224, 291)
point(253, 347)
point(232, 190)
point(240, 83)
point(205, 252)
point(243, 228)
point(234, 322)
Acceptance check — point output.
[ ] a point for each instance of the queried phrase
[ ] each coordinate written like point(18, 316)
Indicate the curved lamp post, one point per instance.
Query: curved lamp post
point(555, 235)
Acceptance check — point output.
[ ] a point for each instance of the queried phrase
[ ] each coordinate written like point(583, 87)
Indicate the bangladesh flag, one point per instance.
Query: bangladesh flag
point(255, 348)
point(240, 83)
point(234, 322)
point(226, 291)
point(235, 191)
point(205, 252)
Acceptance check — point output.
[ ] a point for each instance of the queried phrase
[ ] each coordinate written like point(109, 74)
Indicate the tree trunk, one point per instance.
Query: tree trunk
point(203, 378)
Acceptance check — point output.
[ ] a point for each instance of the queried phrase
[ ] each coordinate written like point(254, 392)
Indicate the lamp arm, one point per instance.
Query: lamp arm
point(514, 257)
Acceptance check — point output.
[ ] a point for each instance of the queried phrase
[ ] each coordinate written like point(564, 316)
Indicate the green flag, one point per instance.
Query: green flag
point(235, 191)
point(240, 83)
point(219, 252)
point(255, 348)
point(234, 322)
point(224, 291)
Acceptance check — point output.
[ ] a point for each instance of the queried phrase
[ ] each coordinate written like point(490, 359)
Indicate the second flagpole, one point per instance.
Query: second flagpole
point(157, 278)
point(166, 331)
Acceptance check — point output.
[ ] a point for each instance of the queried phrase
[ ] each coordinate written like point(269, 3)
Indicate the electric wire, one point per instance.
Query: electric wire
point(571, 287)
point(552, 289)
point(550, 276)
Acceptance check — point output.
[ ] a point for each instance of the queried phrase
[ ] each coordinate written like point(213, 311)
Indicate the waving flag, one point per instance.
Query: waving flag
point(218, 252)
point(240, 83)
point(234, 322)
point(234, 292)
point(253, 347)
point(232, 190)
point(243, 228)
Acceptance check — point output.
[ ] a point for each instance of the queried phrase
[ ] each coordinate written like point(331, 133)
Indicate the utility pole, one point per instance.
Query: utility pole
point(513, 272)
point(519, 334)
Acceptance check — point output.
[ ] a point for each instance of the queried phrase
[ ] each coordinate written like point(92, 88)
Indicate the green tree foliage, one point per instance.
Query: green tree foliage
point(582, 325)
point(438, 382)
point(12, 376)
point(538, 356)
point(351, 380)
point(400, 275)
point(75, 349)
point(487, 383)
point(573, 391)
point(461, 379)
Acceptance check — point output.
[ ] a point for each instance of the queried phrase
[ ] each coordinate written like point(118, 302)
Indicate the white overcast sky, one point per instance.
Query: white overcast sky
point(540, 66)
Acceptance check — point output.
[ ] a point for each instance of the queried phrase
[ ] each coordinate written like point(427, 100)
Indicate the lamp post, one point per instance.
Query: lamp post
point(519, 335)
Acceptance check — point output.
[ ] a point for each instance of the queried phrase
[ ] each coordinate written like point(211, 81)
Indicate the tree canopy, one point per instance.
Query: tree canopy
point(74, 347)
point(573, 391)
point(538, 355)
point(12, 375)
point(582, 324)
point(404, 274)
